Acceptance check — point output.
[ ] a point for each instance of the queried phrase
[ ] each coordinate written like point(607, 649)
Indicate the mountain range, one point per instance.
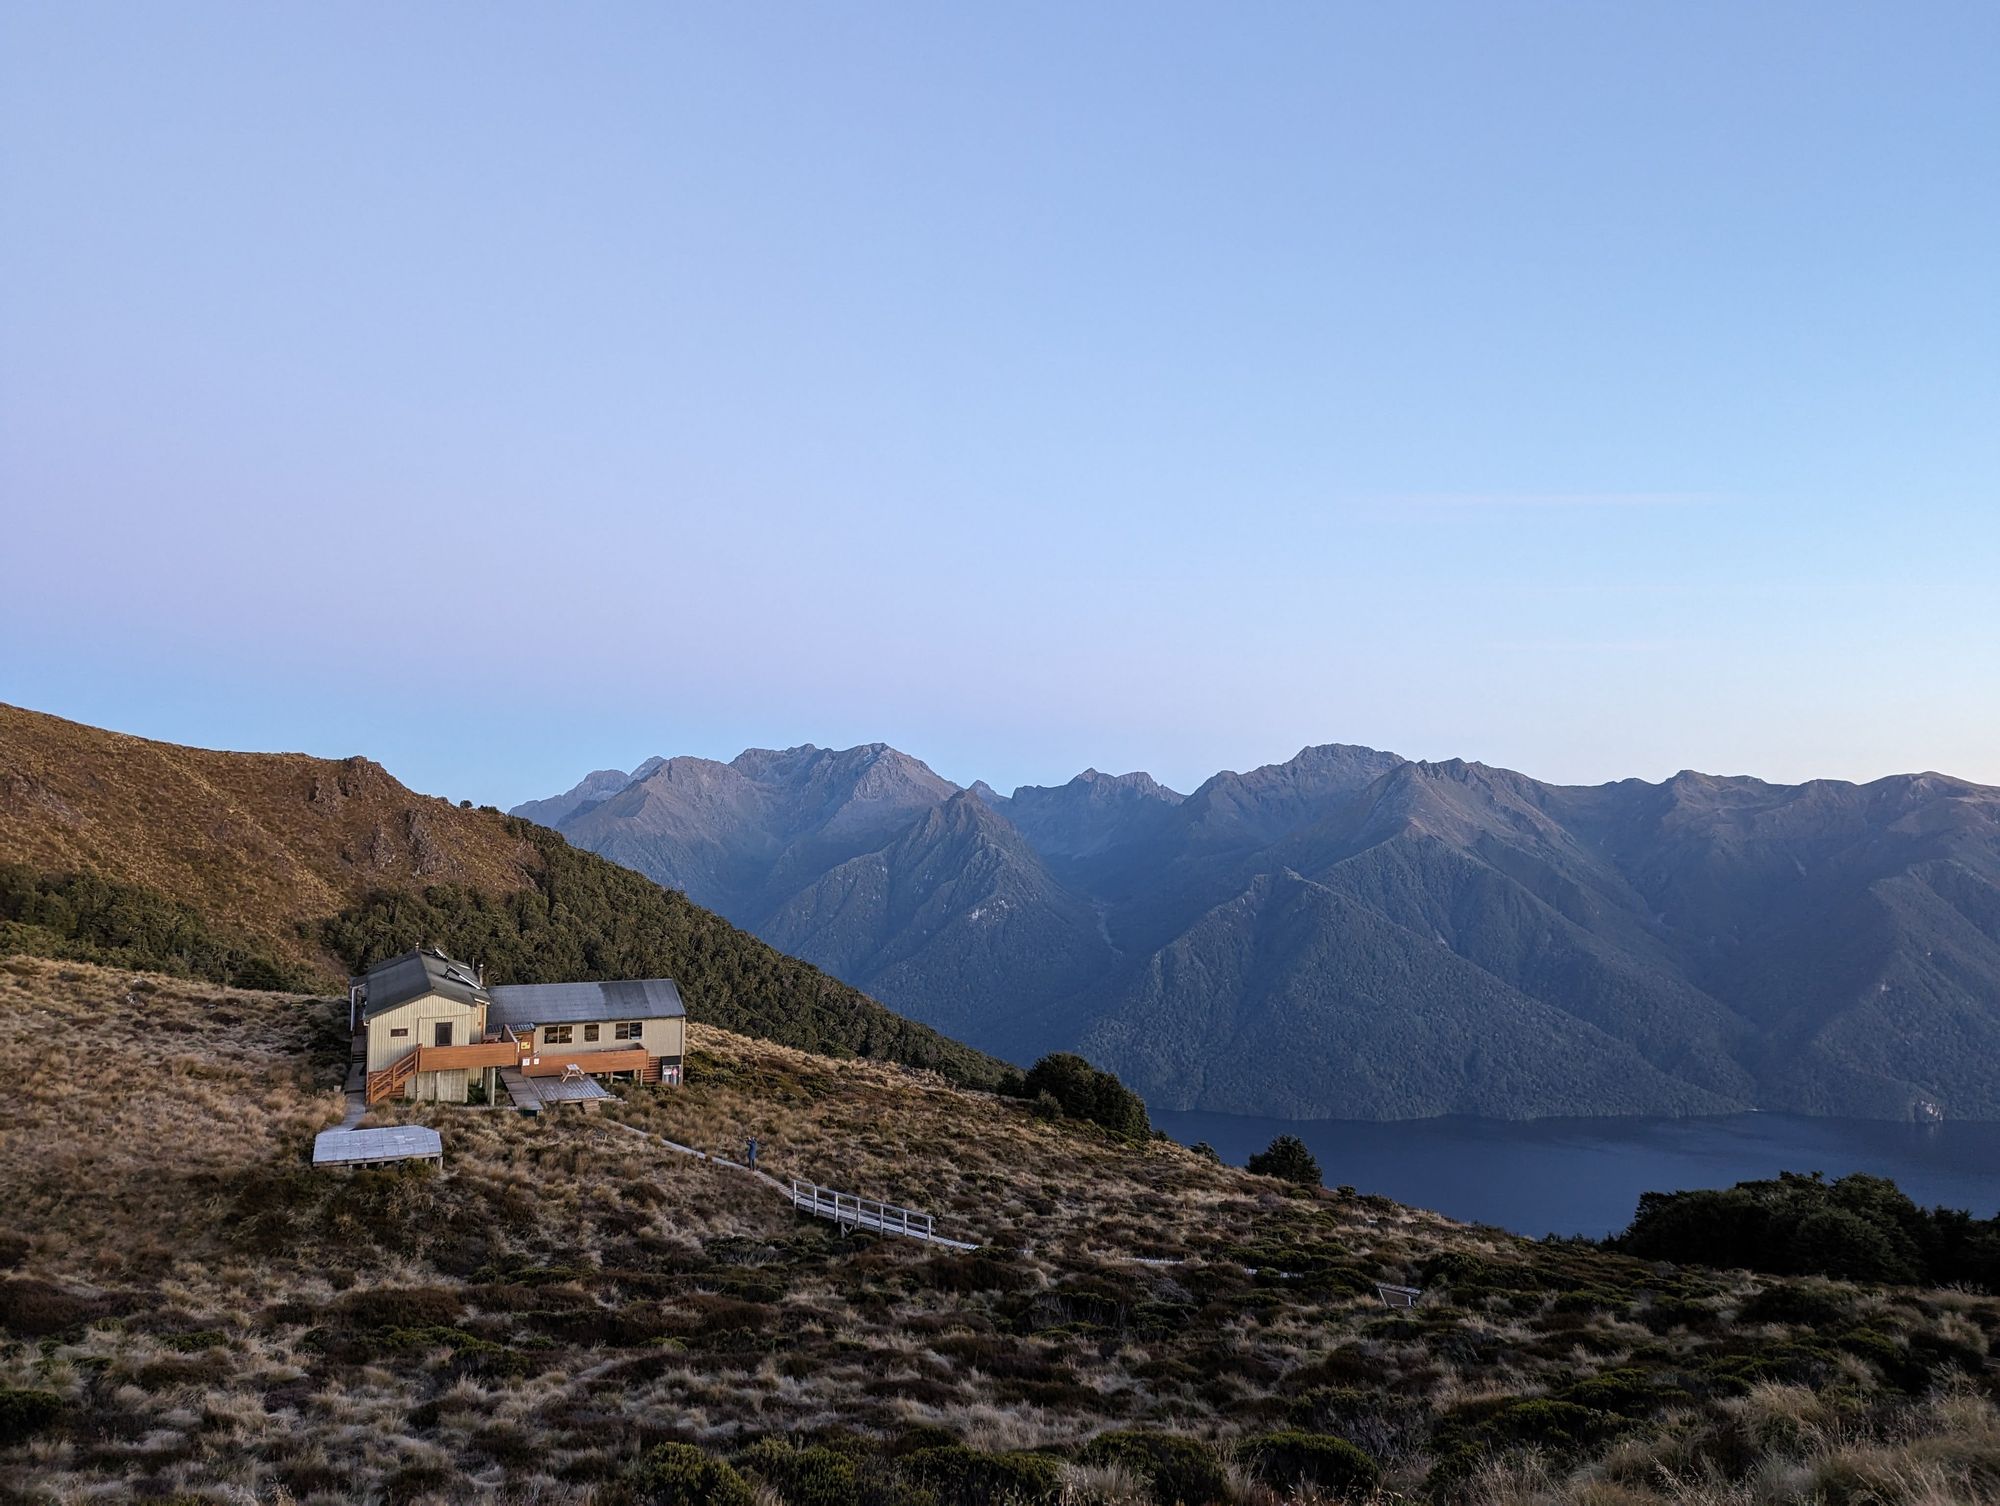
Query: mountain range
point(1353, 934)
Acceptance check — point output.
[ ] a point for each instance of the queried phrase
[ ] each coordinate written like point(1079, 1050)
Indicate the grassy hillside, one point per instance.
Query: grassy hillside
point(568, 1298)
point(283, 870)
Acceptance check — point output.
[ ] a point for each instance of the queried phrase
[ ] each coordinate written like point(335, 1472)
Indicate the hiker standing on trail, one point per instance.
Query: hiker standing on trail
point(750, 1148)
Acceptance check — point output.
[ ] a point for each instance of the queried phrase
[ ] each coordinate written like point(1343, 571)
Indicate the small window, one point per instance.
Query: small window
point(399, 1030)
point(556, 1035)
point(444, 1032)
point(628, 1030)
point(590, 1032)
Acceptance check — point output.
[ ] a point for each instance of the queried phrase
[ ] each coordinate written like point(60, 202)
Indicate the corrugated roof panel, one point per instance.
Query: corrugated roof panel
point(397, 1142)
point(414, 974)
point(521, 1004)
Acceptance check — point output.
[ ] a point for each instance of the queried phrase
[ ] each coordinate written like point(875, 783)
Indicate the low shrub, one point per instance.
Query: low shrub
point(1179, 1469)
point(398, 1307)
point(961, 1476)
point(679, 1474)
point(24, 1413)
point(1310, 1461)
point(1808, 1304)
point(809, 1476)
point(38, 1309)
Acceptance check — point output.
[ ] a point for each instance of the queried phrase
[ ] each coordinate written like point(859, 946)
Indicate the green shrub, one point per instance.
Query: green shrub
point(1083, 1092)
point(1179, 1468)
point(967, 1477)
point(1627, 1392)
point(1314, 1461)
point(1806, 1304)
point(679, 1474)
point(1287, 1159)
point(23, 1413)
point(810, 1476)
point(1858, 1228)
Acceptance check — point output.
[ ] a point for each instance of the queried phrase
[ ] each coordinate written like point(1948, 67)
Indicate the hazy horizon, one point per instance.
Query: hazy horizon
point(505, 392)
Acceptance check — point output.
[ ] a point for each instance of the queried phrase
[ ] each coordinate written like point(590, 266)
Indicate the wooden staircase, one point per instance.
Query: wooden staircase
point(392, 1079)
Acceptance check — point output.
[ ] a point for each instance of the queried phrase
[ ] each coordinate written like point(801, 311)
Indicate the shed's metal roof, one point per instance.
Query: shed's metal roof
point(398, 1142)
point(519, 1004)
point(414, 974)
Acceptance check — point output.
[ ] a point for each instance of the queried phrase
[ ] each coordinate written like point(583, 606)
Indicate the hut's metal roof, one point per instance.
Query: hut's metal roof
point(415, 974)
point(519, 1004)
point(397, 1142)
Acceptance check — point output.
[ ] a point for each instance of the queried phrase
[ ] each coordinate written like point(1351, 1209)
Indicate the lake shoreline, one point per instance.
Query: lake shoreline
point(1585, 1176)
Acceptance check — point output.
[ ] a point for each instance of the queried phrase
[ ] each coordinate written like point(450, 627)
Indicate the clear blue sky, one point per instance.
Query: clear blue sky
point(508, 390)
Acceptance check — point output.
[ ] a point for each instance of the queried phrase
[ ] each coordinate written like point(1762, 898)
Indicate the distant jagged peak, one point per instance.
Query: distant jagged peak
point(809, 760)
point(1320, 753)
point(985, 792)
point(594, 788)
point(1096, 784)
point(1138, 782)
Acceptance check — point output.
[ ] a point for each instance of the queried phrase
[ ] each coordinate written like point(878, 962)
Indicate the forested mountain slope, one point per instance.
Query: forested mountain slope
point(1354, 933)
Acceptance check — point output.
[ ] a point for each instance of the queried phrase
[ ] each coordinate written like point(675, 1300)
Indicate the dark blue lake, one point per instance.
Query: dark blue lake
point(1584, 1176)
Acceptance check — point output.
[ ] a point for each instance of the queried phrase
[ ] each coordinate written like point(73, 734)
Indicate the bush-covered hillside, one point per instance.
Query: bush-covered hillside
point(572, 1313)
point(584, 917)
point(85, 919)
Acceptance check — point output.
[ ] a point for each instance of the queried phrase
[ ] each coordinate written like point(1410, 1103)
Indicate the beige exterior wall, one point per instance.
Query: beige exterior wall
point(419, 1017)
point(659, 1037)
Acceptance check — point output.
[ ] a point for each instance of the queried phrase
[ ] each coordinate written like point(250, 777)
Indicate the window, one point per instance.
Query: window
point(399, 1030)
point(590, 1032)
point(444, 1032)
point(628, 1030)
point(556, 1035)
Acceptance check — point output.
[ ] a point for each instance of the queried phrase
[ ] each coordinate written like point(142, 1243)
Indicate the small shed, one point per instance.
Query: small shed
point(377, 1147)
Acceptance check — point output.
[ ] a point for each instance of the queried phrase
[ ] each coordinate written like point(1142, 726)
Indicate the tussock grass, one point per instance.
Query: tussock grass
point(218, 1322)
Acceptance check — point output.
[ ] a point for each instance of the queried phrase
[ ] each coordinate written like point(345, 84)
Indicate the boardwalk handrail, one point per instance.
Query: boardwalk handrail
point(850, 1211)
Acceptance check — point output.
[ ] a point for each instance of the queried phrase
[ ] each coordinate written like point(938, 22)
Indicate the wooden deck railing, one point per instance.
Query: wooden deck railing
point(851, 1212)
point(503, 1051)
point(555, 1060)
point(507, 1051)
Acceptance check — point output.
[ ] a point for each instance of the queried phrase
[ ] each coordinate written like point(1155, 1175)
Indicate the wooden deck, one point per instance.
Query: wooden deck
point(531, 1095)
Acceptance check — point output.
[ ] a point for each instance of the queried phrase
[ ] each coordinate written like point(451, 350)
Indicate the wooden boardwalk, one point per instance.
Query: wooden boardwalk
point(850, 1212)
point(855, 1213)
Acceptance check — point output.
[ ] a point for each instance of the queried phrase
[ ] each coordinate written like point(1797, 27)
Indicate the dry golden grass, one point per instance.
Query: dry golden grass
point(243, 837)
point(221, 1323)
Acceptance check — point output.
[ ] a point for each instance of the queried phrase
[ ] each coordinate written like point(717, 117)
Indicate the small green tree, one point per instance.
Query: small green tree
point(1287, 1159)
point(1083, 1092)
